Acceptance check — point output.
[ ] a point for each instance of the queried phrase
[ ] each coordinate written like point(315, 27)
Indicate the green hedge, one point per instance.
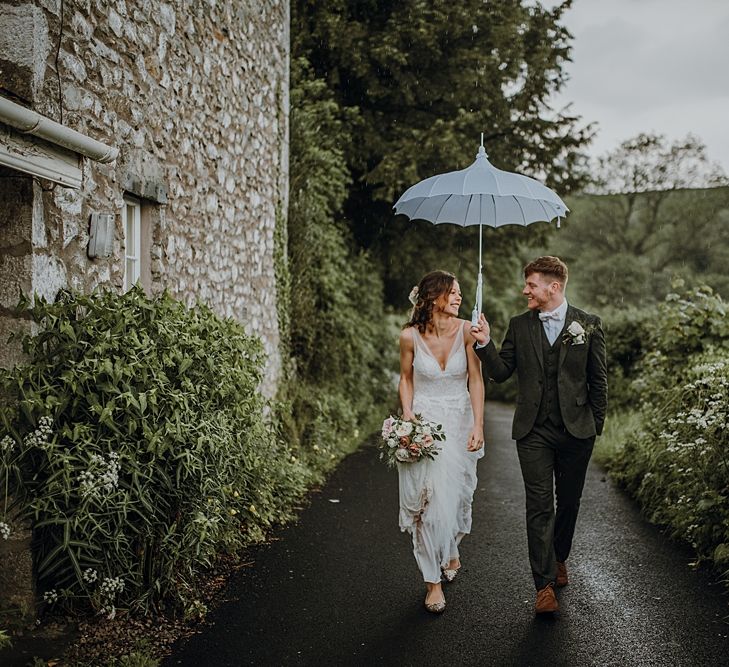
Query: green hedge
point(627, 334)
point(134, 439)
point(675, 459)
point(335, 389)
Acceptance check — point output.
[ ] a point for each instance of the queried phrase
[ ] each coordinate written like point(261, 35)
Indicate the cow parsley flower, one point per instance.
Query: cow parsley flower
point(102, 477)
point(6, 444)
point(42, 435)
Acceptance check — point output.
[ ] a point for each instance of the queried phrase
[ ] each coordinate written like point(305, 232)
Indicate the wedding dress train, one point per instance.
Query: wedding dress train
point(436, 495)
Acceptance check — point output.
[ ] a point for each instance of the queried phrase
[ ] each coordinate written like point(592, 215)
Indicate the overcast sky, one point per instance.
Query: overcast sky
point(651, 65)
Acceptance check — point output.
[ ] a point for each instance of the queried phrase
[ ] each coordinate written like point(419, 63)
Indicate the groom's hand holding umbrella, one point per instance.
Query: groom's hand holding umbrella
point(482, 331)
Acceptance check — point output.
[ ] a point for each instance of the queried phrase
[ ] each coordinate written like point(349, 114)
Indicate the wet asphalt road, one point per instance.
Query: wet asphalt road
point(341, 587)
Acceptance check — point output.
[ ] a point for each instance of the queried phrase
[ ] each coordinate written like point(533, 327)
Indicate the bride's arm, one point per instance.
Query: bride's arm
point(405, 388)
point(476, 391)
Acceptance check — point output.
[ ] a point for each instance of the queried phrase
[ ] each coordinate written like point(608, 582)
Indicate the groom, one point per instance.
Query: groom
point(558, 352)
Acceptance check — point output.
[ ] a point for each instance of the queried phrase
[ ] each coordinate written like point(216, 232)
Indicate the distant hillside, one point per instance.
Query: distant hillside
point(625, 250)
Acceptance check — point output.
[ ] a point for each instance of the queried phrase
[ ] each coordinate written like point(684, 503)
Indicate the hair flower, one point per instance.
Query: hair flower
point(413, 296)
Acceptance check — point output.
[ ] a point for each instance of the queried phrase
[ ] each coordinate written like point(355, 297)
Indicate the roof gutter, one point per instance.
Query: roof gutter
point(30, 122)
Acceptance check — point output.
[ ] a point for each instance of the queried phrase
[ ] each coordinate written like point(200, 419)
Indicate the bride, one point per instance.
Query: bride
point(440, 379)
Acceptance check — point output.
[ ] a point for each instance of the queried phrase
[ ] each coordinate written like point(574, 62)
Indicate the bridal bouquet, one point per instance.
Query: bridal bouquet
point(406, 441)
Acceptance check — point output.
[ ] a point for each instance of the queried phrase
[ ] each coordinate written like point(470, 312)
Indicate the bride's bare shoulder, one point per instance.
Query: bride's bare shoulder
point(406, 336)
point(466, 326)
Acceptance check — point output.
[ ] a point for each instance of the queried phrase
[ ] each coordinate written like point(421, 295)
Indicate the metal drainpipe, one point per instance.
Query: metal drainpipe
point(31, 122)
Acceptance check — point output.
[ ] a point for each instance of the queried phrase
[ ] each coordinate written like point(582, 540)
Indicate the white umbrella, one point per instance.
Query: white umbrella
point(481, 195)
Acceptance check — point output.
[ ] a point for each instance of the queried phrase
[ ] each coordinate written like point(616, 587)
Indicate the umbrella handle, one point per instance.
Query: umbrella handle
point(479, 301)
point(479, 285)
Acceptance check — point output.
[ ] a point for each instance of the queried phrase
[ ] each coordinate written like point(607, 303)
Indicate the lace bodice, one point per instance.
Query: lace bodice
point(434, 385)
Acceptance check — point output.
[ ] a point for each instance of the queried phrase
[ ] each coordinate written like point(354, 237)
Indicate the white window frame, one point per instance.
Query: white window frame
point(132, 254)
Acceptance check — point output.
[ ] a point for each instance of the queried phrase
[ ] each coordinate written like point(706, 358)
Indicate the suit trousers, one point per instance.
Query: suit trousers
point(553, 462)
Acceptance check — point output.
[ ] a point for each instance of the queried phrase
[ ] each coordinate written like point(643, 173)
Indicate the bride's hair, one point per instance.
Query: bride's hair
point(430, 287)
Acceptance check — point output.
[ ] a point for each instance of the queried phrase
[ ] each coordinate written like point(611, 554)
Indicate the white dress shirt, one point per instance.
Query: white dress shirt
point(553, 321)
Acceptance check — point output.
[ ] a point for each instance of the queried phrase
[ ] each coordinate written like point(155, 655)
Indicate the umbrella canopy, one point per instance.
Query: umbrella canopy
point(481, 195)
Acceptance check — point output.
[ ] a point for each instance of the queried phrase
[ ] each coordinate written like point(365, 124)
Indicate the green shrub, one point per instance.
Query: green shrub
point(627, 334)
point(620, 427)
point(677, 464)
point(335, 386)
point(672, 456)
point(686, 325)
point(134, 439)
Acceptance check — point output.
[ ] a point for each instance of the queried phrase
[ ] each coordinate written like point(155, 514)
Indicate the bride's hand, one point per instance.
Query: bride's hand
point(475, 440)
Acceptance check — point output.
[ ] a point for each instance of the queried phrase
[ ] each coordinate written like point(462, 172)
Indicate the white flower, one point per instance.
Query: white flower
point(576, 332)
point(4, 530)
point(50, 596)
point(6, 444)
point(102, 476)
point(575, 329)
point(111, 585)
point(403, 429)
point(387, 427)
point(413, 296)
point(42, 435)
point(402, 454)
point(90, 575)
point(427, 430)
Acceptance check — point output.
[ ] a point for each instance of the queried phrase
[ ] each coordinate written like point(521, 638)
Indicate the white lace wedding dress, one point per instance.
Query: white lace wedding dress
point(435, 496)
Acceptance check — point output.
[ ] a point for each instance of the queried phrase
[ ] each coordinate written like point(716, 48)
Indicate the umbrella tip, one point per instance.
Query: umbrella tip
point(481, 149)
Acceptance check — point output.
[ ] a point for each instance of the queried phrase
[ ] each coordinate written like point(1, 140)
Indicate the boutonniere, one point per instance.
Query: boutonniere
point(576, 334)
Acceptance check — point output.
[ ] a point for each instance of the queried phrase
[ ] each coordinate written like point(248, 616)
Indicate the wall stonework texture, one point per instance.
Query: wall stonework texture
point(195, 96)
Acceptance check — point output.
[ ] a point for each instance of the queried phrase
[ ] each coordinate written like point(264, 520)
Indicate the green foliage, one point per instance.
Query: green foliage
point(647, 221)
point(620, 427)
point(427, 78)
point(672, 454)
point(5, 641)
point(134, 439)
point(685, 327)
point(419, 82)
point(628, 333)
point(677, 464)
point(336, 340)
point(135, 659)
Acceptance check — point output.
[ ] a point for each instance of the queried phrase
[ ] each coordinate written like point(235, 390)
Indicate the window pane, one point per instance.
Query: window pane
point(129, 278)
point(130, 238)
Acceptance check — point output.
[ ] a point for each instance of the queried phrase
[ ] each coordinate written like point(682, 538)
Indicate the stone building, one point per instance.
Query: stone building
point(141, 141)
point(176, 173)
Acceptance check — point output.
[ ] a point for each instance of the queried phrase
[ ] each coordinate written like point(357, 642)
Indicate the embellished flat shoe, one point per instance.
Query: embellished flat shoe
point(450, 575)
point(436, 607)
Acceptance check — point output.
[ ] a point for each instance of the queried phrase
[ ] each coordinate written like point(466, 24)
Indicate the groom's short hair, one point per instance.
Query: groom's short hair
point(551, 267)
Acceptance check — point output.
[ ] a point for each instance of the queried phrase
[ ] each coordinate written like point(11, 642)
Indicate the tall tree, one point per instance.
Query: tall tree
point(425, 78)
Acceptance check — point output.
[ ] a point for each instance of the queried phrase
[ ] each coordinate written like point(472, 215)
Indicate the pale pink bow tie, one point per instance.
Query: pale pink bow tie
point(550, 316)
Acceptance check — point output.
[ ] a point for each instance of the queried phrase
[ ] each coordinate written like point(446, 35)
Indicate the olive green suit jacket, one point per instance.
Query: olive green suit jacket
point(582, 374)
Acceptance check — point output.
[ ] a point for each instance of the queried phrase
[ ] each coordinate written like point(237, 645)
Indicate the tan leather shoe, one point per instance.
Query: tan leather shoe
point(546, 600)
point(562, 579)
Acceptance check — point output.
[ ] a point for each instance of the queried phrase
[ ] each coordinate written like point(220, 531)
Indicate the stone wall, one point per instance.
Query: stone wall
point(195, 96)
